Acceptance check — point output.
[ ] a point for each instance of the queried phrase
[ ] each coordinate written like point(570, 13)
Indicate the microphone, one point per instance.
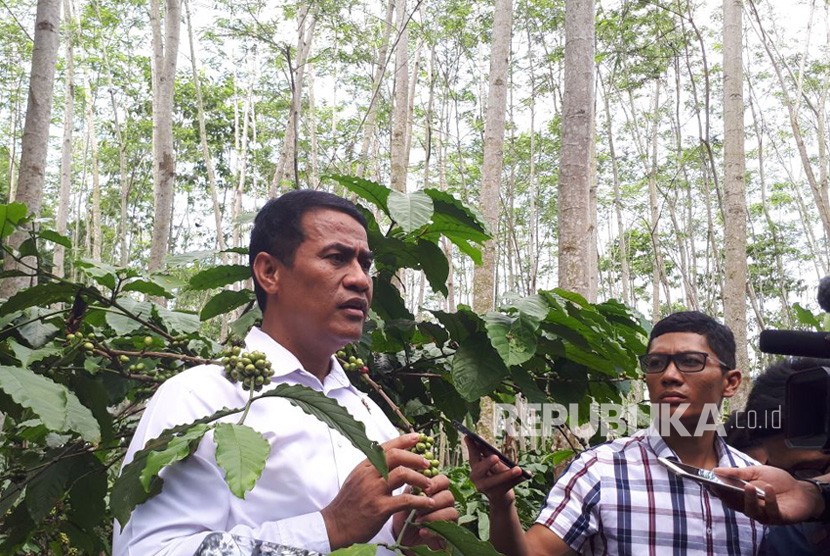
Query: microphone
point(796, 342)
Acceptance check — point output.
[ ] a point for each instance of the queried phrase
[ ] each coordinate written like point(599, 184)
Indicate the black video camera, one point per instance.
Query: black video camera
point(807, 401)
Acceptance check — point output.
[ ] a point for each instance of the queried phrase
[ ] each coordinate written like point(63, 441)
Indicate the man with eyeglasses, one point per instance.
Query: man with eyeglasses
point(616, 498)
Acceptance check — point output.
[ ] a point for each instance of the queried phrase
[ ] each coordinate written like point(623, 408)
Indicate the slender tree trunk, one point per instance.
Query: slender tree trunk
point(575, 222)
point(287, 166)
point(377, 80)
point(735, 291)
point(165, 54)
point(492, 165)
point(399, 153)
point(67, 143)
point(311, 124)
point(35, 142)
point(95, 235)
point(200, 108)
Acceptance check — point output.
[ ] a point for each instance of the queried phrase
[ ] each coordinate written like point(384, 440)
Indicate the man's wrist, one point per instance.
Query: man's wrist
point(819, 493)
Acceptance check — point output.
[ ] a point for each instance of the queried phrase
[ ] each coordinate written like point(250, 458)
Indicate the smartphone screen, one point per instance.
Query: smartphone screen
point(706, 476)
point(487, 447)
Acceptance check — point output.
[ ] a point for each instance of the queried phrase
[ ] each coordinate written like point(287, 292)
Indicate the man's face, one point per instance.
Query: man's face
point(322, 299)
point(672, 388)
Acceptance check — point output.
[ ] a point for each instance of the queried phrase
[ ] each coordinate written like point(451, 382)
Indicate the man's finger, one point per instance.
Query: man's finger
point(402, 442)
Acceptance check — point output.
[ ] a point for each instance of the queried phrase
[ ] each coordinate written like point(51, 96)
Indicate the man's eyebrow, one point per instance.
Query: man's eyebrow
point(343, 248)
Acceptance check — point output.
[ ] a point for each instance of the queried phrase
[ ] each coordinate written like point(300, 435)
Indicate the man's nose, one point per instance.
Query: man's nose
point(671, 374)
point(357, 278)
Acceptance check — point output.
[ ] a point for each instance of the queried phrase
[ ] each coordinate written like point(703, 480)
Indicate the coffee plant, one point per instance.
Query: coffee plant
point(80, 357)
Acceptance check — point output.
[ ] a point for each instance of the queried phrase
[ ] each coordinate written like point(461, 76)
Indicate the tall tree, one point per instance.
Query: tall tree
point(735, 267)
point(66, 145)
point(165, 53)
point(287, 165)
point(35, 143)
point(399, 151)
point(577, 239)
point(491, 170)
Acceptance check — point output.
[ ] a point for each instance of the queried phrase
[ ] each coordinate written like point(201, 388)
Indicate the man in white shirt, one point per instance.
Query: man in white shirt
point(310, 261)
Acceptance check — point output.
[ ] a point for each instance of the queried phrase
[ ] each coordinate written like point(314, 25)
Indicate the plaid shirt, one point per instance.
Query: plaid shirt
point(617, 499)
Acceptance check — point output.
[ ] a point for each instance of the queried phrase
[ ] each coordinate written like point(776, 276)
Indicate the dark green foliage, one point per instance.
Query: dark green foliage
point(78, 359)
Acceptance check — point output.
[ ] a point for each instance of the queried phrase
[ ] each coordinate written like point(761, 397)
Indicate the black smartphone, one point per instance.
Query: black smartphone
point(487, 447)
point(706, 476)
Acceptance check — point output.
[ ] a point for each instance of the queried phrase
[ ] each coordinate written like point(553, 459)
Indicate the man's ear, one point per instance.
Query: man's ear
point(731, 382)
point(266, 272)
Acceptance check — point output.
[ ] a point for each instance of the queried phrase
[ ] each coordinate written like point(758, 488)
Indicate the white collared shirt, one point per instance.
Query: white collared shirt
point(305, 470)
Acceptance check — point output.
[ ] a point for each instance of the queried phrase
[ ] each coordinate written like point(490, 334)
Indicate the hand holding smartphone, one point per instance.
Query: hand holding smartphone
point(706, 477)
point(489, 448)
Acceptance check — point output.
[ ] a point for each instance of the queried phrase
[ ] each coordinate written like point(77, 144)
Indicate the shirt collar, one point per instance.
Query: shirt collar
point(662, 450)
point(285, 363)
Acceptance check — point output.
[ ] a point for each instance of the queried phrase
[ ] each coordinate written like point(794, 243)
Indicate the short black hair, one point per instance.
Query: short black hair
point(278, 226)
point(769, 391)
point(718, 336)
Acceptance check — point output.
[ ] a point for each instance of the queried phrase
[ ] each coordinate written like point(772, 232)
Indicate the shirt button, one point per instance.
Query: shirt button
point(708, 530)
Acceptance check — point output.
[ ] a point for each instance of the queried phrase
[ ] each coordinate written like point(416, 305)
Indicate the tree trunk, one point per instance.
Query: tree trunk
point(200, 108)
point(377, 78)
point(734, 291)
point(66, 144)
point(165, 53)
point(491, 170)
point(94, 221)
point(399, 153)
point(35, 140)
point(575, 222)
point(287, 165)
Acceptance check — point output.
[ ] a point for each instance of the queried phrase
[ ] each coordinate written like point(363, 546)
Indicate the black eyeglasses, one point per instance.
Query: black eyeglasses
point(685, 362)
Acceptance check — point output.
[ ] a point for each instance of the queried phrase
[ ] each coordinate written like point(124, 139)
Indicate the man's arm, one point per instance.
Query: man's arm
point(496, 481)
point(786, 500)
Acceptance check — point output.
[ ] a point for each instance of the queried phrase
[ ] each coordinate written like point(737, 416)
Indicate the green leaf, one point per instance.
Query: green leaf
point(411, 211)
point(53, 403)
point(435, 265)
point(28, 356)
point(11, 215)
point(177, 449)
point(243, 324)
point(121, 324)
point(369, 190)
point(179, 321)
point(55, 237)
point(225, 302)
point(28, 248)
point(219, 276)
point(806, 317)
point(334, 415)
point(387, 301)
point(88, 492)
point(46, 488)
point(356, 550)
point(513, 338)
point(461, 539)
point(241, 452)
point(128, 490)
point(148, 287)
point(477, 368)
point(104, 274)
point(183, 259)
point(41, 295)
point(460, 234)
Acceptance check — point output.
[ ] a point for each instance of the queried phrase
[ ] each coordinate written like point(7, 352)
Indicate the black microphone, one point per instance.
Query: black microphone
point(796, 342)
